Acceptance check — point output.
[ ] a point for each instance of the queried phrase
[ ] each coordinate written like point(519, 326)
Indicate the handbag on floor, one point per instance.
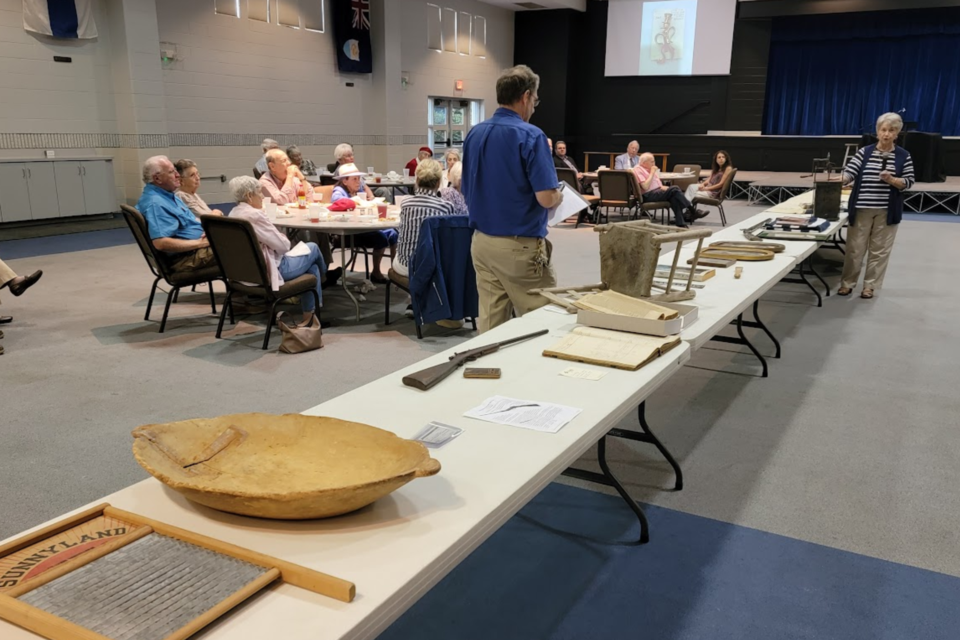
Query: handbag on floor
point(298, 339)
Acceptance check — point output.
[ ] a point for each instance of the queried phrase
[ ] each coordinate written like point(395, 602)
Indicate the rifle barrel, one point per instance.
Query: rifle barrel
point(427, 378)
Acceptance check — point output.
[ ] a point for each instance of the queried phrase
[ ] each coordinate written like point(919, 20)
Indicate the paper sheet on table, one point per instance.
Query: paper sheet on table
point(300, 249)
point(571, 205)
point(583, 374)
point(528, 414)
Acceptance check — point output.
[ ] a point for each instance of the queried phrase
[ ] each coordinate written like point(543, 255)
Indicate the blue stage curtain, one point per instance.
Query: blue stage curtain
point(834, 74)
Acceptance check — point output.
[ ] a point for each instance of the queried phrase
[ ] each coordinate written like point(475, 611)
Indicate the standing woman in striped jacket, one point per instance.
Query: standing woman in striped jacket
point(880, 173)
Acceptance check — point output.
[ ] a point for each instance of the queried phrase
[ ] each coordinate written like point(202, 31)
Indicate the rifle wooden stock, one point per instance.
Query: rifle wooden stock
point(428, 378)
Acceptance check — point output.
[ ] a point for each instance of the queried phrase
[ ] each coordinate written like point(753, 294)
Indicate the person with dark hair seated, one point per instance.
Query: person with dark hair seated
point(349, 185)
point(711, 187)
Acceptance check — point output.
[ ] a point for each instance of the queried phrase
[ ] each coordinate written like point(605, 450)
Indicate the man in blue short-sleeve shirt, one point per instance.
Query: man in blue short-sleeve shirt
point(172, 227)
point(509, 181)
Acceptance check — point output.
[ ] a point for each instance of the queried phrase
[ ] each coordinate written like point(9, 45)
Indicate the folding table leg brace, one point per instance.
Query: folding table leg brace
point(742, 339)
point(801, 271)
point(609, 479)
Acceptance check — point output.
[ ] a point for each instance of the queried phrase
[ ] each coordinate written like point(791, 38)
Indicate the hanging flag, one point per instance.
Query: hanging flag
point(351, 30)
point(60, 18)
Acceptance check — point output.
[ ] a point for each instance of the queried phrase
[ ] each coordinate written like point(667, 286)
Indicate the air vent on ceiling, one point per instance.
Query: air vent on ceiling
point(529, 5)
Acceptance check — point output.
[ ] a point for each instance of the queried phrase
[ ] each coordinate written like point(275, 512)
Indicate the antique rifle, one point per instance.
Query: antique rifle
point(429, 377)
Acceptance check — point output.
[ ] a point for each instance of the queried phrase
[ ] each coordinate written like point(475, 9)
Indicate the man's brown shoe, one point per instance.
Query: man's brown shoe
point(21, 284)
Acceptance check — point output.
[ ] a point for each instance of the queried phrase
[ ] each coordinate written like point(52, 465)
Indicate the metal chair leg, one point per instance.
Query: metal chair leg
point(723, 215)
point(223, 314)
point(171, 297)
point(153, 292)
point(176, 294)
point(213, 301)
point(270, 321)
point(386, 306)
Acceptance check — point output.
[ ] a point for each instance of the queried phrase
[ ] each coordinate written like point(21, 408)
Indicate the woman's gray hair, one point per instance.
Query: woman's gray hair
point(455, 175)
point(183, 164)
point(242, 187)
point(452, 152)
point(892, 119)
point(343, 149)
point(429, 173)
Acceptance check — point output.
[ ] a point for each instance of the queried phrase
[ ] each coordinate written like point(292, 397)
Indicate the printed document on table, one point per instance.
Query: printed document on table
point(528, 414)
point(570, 205)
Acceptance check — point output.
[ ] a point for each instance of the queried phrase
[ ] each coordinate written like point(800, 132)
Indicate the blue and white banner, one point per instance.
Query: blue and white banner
point(60, 18)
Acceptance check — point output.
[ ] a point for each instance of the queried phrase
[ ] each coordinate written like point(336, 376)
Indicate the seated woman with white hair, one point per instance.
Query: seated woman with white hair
point(452, 193)
point(275, 246)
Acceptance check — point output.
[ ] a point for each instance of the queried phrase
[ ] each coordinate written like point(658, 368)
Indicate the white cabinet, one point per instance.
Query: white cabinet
point(69, 177)
point(56, 188)
point(99, 192)
point(43, 190)
point(14, 193)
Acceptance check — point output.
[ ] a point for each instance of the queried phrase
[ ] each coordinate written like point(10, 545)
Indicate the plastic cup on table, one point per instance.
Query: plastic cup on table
point(406, 172)
point(313, 212)
point(382, 211)
point(370, 170)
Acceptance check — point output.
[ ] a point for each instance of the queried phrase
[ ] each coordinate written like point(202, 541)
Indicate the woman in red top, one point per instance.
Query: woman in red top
point(424, 153)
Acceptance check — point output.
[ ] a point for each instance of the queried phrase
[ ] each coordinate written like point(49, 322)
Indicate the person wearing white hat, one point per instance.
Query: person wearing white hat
point(348, 185)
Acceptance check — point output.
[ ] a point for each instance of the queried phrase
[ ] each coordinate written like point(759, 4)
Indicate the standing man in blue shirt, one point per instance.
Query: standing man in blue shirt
point(509, 182)
point(172, 227)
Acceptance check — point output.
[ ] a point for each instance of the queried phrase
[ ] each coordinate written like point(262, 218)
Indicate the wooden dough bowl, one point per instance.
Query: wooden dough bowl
point(286, 467)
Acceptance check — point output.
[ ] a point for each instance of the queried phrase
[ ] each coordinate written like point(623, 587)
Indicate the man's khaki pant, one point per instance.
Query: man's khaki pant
point(193, 260)
point(6, 273)
point(872, 235)
point(507, 267)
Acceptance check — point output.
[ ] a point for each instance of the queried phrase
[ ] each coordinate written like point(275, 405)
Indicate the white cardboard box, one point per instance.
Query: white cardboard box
point(688, 314)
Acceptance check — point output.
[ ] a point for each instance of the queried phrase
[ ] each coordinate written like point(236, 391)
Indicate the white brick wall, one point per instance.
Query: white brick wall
point(234, 76)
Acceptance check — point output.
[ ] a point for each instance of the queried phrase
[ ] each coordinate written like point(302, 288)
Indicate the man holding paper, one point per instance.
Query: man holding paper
point(509, 183)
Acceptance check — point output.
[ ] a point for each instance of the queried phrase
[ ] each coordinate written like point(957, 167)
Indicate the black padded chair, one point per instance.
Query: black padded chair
point(256, 172)
point(718, 201)
point(159, 264)
point(616, 190)
point(243, 268)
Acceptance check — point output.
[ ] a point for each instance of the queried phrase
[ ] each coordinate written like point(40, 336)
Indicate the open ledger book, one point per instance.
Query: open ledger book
point(607, 348)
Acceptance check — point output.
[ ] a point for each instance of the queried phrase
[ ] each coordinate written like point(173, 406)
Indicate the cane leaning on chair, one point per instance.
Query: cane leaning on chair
point(880, 173)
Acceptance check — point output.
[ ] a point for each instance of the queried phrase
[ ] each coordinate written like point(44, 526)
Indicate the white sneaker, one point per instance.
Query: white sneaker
point(409, 311)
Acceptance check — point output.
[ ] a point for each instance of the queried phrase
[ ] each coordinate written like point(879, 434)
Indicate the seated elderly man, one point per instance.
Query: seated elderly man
point(261, 167)
point(653, 190)
point(282, 181)
point(628, 160)
point(171, 225)
point(344, 155)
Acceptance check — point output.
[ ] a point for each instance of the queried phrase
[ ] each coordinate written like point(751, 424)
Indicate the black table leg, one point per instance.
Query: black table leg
point(758, 324)
point(803, 280)
point(648, 437)
point(609, 479)
point(822, 281)
point(742, 340)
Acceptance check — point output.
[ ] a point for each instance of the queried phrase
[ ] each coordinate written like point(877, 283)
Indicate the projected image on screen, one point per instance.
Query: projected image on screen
point(667, 38)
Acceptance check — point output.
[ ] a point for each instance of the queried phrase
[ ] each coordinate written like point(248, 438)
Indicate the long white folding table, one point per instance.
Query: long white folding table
point(402, 545)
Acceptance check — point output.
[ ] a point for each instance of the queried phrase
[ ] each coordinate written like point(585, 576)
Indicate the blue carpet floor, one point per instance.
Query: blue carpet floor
point(32, 247)
point(544, 575)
